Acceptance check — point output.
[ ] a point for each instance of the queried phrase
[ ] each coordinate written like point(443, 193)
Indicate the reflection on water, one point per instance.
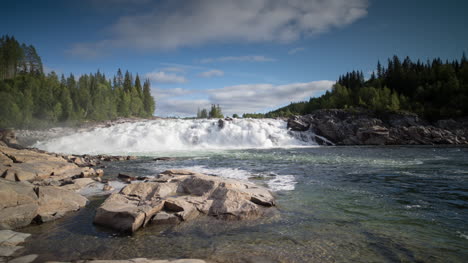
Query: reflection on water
point(339, 204)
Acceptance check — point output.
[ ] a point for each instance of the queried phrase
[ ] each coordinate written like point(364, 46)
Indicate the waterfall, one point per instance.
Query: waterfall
point(167, 135)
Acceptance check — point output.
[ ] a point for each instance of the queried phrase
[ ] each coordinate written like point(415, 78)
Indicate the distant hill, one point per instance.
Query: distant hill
point(434, 90)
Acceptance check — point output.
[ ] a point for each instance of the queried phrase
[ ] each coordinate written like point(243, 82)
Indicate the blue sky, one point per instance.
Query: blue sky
point(246, 55)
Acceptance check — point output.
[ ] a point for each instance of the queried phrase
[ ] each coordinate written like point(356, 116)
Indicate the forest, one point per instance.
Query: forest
point(433, 90)
point(31, 99)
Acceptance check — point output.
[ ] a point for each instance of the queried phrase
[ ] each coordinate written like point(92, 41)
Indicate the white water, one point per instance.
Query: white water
point(177, 135)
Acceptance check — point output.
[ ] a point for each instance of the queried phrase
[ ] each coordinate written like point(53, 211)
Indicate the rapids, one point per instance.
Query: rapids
point(156, 136)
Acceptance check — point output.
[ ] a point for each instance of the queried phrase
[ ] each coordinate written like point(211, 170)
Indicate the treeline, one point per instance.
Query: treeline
point(434, 90)
point(215, 112)
point(16, 58)
point(31, 99)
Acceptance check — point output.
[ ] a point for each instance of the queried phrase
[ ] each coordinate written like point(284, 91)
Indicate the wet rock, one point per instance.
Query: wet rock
point(126, 177)
point(221, 123)
point(107, 188)
point(165, 218)
point(182, 195)
point(164, 159)
point(296, 124)
point(24, 259)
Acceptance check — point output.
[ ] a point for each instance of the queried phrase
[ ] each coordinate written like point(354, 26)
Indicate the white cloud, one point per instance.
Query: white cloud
point(264, 97)
point(212, 73)
point(170, 24)
point(295, 50)
point(174, 69)
point(238, 99)
point(163, 77)
point(238, 59)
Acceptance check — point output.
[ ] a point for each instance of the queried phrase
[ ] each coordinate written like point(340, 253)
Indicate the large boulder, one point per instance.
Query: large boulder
point(18, 204)
point(181, 195)
point(55, 202)
point(22, 203)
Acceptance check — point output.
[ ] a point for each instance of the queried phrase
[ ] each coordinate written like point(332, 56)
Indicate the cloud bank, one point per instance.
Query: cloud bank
point(238, 99)
point(171, 24)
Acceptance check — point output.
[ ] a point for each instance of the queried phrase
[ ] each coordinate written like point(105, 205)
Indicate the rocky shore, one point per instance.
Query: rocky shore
point(38, 187)
point(342, 127)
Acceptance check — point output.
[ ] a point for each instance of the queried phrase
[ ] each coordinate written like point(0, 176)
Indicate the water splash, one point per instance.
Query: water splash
point(177, 135)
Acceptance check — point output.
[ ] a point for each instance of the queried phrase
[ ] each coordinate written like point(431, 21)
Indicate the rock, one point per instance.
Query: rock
point(29, 165)
point(232, 204)
point(8, 251)
point(362, 127)
point(137, 260)
point(107, 188)
point(165, 218)
point(18, 204)
point(82, 182)
point(221, 123)
point(375, 135)
point(12, 238)
point(126, 214)
point(8, 136)
point(24, 259)
point(54, 202)
point(100, 172)
point(126, 178)
point(164, 159)
point(296, 124)
point(182, 195)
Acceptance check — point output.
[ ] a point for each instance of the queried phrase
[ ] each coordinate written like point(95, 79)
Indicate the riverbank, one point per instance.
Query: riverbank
point(38, 187)
point(346, 127)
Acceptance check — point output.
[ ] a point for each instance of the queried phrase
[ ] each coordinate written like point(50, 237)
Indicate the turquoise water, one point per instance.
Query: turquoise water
point(335, 204)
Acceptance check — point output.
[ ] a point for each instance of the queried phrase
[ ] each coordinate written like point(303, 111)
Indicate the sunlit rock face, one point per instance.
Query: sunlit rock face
point(180, 195)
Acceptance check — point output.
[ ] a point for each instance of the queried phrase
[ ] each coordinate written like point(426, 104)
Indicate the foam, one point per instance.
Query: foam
point(150, 137)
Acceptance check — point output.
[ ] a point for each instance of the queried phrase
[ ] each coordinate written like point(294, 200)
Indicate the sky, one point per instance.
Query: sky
point(245, 55)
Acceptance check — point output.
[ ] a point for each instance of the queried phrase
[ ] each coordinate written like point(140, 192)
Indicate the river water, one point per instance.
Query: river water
point(335, 204)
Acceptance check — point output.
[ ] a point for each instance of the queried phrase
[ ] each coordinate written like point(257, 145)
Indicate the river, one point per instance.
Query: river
point(336, 204)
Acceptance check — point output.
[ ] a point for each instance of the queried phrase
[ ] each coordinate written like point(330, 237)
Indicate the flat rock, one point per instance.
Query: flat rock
point(8, 251)
point(12, 238)
point(24, 259)
point(182, 195)
point(137, 260)
point(29, 165)
point(54, 202)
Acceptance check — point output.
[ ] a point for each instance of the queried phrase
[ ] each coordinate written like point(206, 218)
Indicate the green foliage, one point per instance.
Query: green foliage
point(235, 116)
point(433, 89)
point(215, 112)
point(30, 99)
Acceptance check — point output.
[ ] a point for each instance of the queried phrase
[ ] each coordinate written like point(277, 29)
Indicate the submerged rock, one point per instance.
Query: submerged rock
point(181, 195)
point(9, 241)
